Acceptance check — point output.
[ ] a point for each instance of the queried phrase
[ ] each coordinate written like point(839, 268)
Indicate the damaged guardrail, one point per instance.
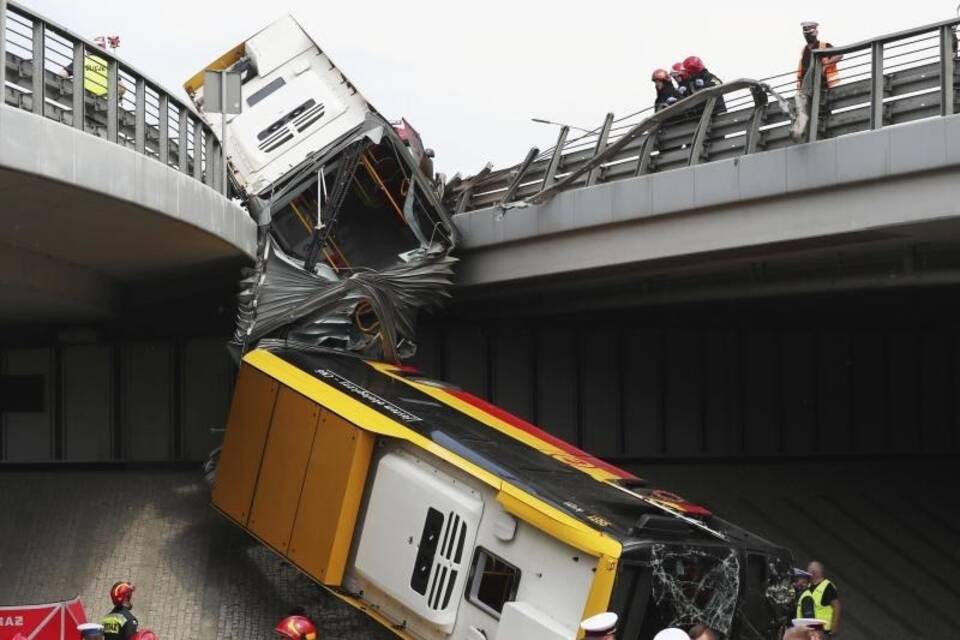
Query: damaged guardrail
point(59, 75)
point(896, 78)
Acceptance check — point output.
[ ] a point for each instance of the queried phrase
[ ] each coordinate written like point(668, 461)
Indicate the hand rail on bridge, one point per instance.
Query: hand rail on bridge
point(51, 71)
point(894, 78)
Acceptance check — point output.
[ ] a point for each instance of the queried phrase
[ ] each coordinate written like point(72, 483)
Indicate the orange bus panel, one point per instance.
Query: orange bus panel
point(284, 466)
point(247, 425)
point(332, 491)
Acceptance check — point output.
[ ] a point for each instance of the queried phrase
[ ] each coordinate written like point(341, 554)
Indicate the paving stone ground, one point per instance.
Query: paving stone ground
point(197, 576)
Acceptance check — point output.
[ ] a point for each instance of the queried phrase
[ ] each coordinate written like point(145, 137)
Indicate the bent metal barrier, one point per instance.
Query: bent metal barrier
point(59, 75)
point(892, 79)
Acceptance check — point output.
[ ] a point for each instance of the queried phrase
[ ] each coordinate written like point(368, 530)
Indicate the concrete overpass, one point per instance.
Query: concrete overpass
point(119, 251)
point(99, 195)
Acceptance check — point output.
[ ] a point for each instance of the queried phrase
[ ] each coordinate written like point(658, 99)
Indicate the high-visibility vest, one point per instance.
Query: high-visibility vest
point(95, 70)
point(829, 70)
point(821, 611)
point(805, 607)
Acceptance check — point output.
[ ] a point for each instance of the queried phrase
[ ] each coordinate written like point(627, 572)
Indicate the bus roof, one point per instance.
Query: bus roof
point(513, 456)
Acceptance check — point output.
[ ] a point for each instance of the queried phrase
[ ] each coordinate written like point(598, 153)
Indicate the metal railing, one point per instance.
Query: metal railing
point(57, 74)
point(892, 79)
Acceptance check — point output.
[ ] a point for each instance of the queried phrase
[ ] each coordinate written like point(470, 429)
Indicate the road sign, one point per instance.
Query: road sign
point(213, 92)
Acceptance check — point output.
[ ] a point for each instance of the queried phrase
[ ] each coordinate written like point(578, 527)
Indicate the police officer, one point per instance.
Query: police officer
point(120, 623)
point(296, 627)
point(90, 631)
point(801, 581)
point(826, 600)
point(602, 626)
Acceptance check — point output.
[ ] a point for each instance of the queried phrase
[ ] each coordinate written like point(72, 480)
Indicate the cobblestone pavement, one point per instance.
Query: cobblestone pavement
point(197, 576)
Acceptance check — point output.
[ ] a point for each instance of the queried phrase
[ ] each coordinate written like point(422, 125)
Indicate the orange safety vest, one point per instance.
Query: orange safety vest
point(829, 70)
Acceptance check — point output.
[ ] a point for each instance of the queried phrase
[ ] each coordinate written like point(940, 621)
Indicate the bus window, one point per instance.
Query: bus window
point(493, 582)
point(265, 91)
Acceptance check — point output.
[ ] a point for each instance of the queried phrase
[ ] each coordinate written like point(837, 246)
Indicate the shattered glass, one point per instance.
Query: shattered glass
point(694, 585)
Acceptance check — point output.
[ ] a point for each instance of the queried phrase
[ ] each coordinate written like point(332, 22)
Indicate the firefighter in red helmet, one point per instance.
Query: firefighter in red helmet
point(120, 623)
point(296, 628)
point(666, 92)
point(682, 79)
point(701, 78)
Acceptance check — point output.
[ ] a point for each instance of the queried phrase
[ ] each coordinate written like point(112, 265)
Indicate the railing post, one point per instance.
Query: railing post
point(197, 151)
point(650, 140)
point(140, 126)
point(700, 137)
point(548, 177)
point(39, 53)
point(212, 169)
point(760, 104)
point(521, 171)
point(79, 105)
point(3, 52)
point(594, 174)
point(163, 128)
point(876, 85)
point(948, 40)
point(816, 96)
point(113, 99)
point(182, 140)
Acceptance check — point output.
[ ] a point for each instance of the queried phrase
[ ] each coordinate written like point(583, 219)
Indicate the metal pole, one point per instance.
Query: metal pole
point(223, 132)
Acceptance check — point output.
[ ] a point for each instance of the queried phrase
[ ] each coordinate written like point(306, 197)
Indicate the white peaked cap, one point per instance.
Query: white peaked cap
point(600, 623)
point(672, 634)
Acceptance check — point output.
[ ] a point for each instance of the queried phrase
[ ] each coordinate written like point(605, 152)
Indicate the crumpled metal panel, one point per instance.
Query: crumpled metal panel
point(319, 308)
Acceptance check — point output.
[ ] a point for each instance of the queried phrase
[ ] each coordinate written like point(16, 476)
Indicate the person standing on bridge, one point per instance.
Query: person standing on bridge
point(120, 623)
point(666, 93)
point(682, 79)
point(830, 76)
point(826, 600)
point(701, 78)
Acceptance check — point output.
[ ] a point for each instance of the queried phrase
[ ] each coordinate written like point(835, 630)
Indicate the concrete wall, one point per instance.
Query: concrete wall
point(776, 379)
point(138, 401)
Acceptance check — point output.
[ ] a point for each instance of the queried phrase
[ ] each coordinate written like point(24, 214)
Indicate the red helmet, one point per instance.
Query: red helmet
point(120, 592)
point(679, 71)
point(145, 634)
point(660, 75)
point(693, 65)
point(296, 628)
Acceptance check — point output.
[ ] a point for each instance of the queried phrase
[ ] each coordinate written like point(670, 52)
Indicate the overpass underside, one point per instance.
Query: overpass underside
point(826, 421)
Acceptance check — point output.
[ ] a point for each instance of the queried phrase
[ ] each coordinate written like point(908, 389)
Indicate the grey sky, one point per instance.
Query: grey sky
point(470, 76)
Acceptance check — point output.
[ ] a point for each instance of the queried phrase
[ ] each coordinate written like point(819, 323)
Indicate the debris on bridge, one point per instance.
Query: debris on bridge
point(354, 240)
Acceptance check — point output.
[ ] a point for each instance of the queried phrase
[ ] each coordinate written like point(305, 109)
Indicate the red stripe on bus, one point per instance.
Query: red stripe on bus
point(537, 432)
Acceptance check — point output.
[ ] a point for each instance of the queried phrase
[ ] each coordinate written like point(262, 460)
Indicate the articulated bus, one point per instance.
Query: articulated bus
point(443, 516)
point(439, 515)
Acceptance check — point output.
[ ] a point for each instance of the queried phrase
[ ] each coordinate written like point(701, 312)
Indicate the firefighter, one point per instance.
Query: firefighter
point(120, 623)
point(682, 79)
point(701, 78)
point(811, 33)
point(296, 628)
point(826, 600)
point(666, 92)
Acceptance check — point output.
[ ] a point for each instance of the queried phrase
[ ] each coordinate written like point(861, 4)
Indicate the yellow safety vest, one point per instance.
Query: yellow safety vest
point(806, 595)
point(95, 71)
point(820, 611)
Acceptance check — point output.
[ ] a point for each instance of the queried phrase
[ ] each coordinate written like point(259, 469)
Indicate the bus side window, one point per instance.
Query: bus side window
point(493, 582)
